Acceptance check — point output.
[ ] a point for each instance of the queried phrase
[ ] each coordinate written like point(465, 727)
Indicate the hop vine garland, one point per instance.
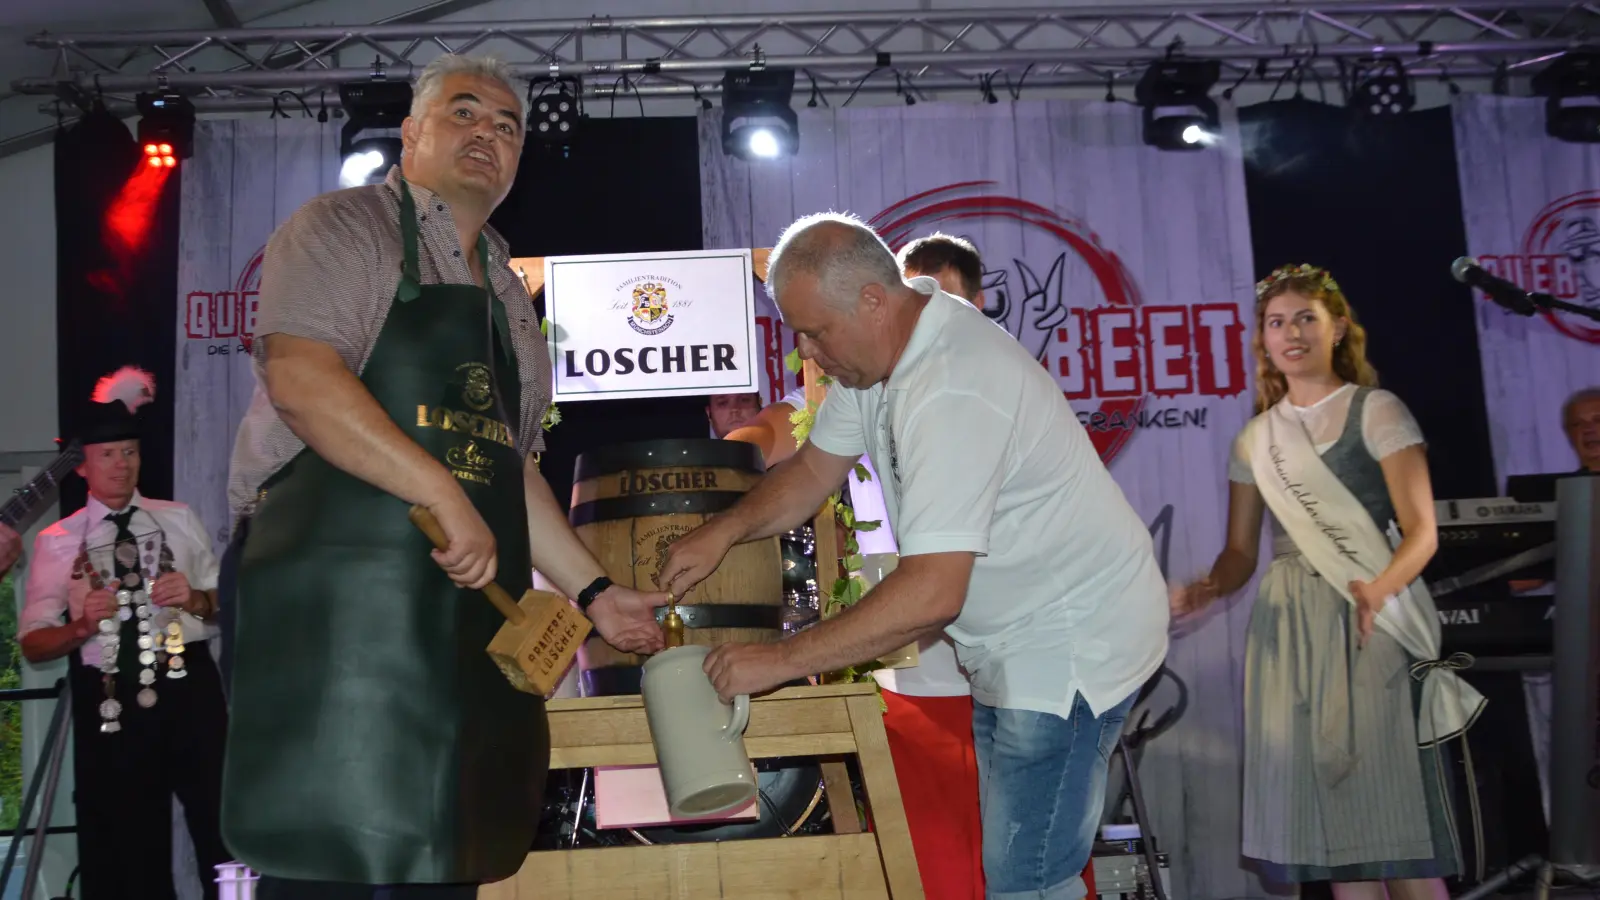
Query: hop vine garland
point(848, 588)
point(552, 416)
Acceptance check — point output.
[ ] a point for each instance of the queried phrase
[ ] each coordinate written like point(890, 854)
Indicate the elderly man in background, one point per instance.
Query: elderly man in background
point(1012, 536)
point(399, 363)
point(1580, 418)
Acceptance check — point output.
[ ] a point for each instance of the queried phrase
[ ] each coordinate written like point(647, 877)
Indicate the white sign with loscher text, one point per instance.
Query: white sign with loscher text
point(635, 325)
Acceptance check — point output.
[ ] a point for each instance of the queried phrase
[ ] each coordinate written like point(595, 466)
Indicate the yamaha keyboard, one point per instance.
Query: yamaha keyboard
point(1484, 546)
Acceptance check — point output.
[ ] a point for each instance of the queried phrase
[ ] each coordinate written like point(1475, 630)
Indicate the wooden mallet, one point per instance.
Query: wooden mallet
point(542, 631)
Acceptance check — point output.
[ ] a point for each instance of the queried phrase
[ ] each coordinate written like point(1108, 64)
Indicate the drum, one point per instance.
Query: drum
point(631, 501)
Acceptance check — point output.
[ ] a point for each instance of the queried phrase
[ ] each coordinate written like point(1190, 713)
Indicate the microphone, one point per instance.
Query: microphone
point(1505, 294)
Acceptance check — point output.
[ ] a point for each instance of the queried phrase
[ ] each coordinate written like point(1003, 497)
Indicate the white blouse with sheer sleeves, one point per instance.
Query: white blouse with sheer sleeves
point(1387, 427)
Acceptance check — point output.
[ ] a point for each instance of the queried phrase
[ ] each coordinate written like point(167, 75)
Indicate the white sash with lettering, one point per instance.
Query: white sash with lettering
point(1337, 536)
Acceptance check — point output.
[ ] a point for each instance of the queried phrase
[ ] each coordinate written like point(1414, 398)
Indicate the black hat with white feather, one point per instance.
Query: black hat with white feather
point(112, 414)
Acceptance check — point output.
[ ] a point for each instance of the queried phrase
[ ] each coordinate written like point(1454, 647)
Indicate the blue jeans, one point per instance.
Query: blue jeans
point(1041, 789)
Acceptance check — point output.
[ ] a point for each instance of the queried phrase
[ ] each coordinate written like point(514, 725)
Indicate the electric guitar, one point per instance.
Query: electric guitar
point(27, 501)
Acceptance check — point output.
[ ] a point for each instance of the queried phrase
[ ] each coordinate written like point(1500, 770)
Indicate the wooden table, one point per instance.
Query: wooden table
point(825, 721)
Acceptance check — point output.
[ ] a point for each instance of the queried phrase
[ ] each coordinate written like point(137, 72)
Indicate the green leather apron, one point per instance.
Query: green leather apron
point(371, 739)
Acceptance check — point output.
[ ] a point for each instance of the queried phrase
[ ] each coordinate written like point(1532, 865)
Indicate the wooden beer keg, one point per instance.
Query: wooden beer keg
point(631, 501)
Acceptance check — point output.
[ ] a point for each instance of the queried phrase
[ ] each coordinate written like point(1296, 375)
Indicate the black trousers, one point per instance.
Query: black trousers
point(126, 780)
point(227, 597)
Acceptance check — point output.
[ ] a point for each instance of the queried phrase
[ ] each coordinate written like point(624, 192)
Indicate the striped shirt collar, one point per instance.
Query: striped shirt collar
point(499, 249)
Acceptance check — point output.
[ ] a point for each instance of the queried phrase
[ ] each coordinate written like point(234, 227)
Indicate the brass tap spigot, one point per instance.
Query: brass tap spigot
point(672, 623)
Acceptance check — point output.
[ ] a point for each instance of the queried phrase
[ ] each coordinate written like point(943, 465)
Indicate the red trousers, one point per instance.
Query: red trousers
point(930, 739)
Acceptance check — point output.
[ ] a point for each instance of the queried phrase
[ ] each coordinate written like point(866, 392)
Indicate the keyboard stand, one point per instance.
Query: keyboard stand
point(1574, 854)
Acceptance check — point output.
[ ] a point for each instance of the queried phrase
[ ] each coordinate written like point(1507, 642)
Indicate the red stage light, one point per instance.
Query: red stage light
point(169, 161)
point(151, 150)
point(166, 149)
point(155, 162)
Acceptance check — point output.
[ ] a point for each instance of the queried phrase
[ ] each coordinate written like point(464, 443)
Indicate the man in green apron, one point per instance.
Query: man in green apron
point(399, 362)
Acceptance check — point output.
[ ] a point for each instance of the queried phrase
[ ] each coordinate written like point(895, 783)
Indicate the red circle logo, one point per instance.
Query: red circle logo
point(899, 223)
point(1560, 256)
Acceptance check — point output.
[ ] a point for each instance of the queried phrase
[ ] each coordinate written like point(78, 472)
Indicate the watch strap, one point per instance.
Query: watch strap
point(586, 597)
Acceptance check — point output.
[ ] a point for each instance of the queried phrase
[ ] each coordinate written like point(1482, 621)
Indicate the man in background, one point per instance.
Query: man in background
point(125, 587)
point(1580, 417)
point(729, 412)
point(928, 713)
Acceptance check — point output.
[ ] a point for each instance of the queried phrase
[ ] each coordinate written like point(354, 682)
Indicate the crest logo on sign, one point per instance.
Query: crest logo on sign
point(1559, 256)
point(649, 315)
point(1114, 355)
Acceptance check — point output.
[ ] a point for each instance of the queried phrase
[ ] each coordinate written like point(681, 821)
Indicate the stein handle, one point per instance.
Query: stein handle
point(739, 719)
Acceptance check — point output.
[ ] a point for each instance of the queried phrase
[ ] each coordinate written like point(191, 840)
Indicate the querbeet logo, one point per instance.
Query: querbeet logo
point(1559, 256)
point(227, 314)
point(1072, 302)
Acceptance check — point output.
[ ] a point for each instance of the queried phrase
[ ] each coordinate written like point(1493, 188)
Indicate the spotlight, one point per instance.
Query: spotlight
point(166, 128)
point(159, 156)
point(376, 106)
point(1572, 86)
point(1178, 113)
point(556, 108)
point(369, 160)
point(1383, 91)
point(757, 122)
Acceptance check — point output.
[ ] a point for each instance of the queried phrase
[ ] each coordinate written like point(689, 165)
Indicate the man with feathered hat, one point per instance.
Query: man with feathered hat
point(127, 587)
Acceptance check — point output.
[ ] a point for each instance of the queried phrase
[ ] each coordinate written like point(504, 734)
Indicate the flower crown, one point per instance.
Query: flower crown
point(1320, 277)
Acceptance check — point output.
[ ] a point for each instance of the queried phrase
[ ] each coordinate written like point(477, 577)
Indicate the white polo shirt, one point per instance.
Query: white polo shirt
point(936, 674)
point(981, 453)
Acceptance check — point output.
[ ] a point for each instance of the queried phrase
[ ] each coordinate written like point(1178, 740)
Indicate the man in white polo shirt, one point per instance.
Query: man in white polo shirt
point(928, 707)
point(1012, 536)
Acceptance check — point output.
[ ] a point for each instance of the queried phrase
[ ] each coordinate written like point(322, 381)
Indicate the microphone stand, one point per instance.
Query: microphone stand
point(1528, 303)
point(1548, 303)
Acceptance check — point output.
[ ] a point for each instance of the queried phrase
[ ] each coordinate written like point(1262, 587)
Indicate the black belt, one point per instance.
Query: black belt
point(732, 615)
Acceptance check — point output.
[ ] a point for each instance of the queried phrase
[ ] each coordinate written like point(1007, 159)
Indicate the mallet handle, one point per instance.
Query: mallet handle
point(424, 520)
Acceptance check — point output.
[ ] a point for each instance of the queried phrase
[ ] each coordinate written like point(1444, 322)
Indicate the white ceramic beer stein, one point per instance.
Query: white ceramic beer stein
point(699, 739)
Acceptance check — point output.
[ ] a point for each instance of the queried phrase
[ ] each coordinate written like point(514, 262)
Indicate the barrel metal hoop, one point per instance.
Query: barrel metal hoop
point(638, 506)
point(699, 453)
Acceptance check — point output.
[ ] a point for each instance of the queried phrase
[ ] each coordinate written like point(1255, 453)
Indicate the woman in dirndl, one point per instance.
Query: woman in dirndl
point(1336, 787)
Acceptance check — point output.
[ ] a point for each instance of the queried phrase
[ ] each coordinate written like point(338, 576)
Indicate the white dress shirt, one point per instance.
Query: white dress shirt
point(52, 590)
point(980, 453)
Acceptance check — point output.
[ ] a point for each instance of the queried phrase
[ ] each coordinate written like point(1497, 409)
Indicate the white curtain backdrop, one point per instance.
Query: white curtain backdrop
point(245, 179)
point(1532, 208)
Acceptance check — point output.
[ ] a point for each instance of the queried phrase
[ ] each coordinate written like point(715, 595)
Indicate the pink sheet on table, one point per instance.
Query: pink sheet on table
point(634, 797)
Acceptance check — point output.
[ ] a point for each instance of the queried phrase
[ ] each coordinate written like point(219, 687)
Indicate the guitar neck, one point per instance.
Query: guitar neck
point(28, 500)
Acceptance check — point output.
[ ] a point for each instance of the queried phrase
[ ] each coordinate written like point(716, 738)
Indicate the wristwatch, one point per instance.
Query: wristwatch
point(586, 597)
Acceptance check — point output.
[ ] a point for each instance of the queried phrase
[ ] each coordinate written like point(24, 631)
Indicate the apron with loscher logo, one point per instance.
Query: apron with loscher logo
point(371, 739)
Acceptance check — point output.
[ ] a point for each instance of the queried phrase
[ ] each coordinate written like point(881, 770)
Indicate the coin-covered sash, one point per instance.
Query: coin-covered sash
point(372, 740)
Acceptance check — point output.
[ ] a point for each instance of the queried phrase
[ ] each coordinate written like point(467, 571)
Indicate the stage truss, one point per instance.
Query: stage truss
point(911, 52)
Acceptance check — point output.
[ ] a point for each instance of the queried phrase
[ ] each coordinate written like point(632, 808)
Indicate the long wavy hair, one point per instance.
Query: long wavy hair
point(1349, 354)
